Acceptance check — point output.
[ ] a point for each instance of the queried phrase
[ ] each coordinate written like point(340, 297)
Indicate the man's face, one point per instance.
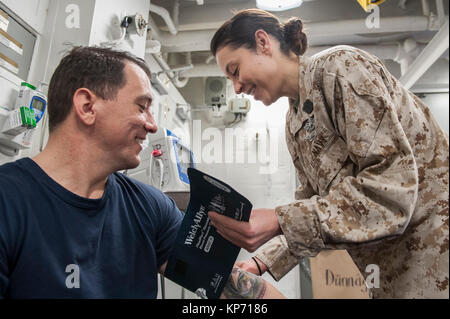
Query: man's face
point(123, 123)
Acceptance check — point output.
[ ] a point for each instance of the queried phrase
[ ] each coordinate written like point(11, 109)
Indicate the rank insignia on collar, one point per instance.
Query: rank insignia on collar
point(308, 106)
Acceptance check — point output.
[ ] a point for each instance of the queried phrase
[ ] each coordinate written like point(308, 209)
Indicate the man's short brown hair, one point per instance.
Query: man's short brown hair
point(100, 70)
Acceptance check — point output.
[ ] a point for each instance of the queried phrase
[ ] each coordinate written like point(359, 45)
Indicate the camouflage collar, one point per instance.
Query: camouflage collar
point(295, 118)
point(304, 82)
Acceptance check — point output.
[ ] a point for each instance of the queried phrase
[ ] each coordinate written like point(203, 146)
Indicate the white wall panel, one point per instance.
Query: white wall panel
point(33, 12)
point(106, 23)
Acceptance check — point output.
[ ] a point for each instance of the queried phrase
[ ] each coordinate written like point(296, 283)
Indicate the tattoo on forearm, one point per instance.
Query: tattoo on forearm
point(244, 285)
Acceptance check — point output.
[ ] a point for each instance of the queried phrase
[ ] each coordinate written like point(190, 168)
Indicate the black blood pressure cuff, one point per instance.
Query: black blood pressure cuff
point(201, 260)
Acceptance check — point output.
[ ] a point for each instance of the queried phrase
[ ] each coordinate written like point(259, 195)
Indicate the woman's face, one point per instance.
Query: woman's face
point(253, 72)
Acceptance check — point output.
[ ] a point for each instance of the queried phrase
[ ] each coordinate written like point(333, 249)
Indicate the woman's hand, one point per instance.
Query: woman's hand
point(262, 226)
point(251, 266)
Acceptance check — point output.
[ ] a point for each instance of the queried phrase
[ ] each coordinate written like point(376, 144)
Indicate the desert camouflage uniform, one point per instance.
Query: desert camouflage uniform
point(373, 166)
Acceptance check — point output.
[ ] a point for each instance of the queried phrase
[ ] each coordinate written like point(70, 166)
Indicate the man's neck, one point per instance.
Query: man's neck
point(75, 167)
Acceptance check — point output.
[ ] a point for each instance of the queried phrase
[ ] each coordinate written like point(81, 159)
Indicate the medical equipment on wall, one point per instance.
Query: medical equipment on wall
point(33, 99)
point(17, 123)
point(169, 162)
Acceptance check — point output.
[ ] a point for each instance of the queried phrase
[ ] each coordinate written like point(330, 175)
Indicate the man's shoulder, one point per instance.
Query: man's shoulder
point(145, 194)
point(127, 182)
point(7, 167)
point(15, 187)
point(137, 188)
point(12, 174)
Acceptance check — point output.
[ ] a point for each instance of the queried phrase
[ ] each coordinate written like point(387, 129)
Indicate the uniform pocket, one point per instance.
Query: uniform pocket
point(330, 162)
point(304, 136)
point(323, 138)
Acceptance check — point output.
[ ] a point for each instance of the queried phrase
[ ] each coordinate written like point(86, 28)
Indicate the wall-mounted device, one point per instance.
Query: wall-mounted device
point(17, 124)
point(32, 99)
point(216, 91)
point(239, 105)
point(169, 162)
point(135, 24)
point(129, 25)
point(19, 121)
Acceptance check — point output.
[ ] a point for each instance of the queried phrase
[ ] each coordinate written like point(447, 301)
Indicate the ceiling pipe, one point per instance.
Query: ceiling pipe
point(163, 65)
point(202, 70)
point(176, 13)
point(402, 4)
point(440, 12)
point(210, 59)
point(200, 40)
point(174, 74)
point(435, 21)
point(426, 8)
point(166, 17)
point(435, 48)
point(382, 51)
point(179, 80)
point(407, 53)
point(153, 47)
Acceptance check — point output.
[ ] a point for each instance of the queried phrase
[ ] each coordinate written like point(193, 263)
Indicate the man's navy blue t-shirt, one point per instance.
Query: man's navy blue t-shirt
point(55, 244)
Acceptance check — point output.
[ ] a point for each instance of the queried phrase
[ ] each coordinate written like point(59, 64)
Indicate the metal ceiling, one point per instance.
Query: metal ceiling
point(180, 31)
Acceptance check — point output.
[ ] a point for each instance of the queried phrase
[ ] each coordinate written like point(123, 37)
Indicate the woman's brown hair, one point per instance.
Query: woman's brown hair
point(240, 31)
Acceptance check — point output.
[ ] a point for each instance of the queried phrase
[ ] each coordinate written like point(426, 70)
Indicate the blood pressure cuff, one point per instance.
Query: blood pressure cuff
point(201, 260)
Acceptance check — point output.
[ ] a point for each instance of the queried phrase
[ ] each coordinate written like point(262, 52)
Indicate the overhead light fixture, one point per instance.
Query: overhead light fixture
point(274, 5)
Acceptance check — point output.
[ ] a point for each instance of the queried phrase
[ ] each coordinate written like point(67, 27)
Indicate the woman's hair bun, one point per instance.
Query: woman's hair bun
point(294, 36)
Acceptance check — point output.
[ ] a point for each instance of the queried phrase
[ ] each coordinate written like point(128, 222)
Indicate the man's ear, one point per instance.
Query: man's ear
point(263, 43)
point(84, 105)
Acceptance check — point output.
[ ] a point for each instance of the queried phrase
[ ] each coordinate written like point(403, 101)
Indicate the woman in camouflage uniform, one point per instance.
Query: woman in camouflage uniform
point(372, 161)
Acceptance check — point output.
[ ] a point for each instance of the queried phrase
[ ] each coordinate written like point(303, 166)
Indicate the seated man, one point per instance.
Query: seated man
point(70, 225)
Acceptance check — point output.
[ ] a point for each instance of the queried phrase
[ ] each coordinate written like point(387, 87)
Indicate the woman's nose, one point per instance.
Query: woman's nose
point(237, 87)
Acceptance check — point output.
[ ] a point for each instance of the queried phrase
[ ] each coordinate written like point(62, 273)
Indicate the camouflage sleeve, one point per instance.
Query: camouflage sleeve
point(377, 201)
point(276, 256)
